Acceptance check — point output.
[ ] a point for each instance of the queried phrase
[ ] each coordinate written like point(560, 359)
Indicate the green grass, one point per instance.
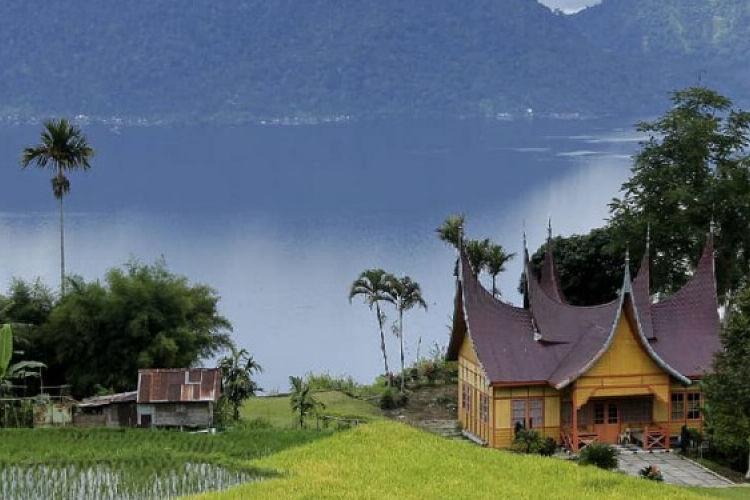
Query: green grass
point(276, 409)
point(734, 493)
point(386, 460)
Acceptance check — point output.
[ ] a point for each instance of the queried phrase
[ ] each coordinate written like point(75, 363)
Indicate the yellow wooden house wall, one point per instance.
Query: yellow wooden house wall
point(626, 369)
point(503, 396)
point(471, 375)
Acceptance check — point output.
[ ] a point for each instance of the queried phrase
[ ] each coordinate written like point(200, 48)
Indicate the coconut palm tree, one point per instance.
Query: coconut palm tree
point(302, 401)
point(476, 252)
point(237, 382)
point(374, 286)
point(406, 294)
point(495, 260)
point(452, 230)
point(63, 149)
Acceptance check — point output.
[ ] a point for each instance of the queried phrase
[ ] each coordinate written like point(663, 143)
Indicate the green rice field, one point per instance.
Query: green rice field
point(384, 460)
point(134, 464)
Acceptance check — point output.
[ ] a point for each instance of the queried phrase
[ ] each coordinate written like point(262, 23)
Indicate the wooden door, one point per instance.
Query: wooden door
point(607, 421)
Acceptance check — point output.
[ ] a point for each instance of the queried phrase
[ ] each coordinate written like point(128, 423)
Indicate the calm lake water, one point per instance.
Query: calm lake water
point(280, 220)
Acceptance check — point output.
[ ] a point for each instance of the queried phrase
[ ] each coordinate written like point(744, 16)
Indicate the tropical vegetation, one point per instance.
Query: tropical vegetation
point(302, 400)
point(237, 384)
point(100, 333)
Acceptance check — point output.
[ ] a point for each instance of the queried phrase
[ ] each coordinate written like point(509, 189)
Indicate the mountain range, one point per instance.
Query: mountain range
point(240, 60)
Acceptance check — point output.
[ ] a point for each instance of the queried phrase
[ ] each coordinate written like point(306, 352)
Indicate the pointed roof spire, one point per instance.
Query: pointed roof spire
point(549, 279)
point(648, 237)
point(549, 228)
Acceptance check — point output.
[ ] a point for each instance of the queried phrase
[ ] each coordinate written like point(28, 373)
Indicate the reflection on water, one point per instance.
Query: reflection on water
point(280, 220)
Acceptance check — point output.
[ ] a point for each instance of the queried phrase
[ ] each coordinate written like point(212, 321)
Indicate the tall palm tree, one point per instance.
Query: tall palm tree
point(452, 230)
point(374, 285)
point(63, 149)
point(495, 261)
point(237, 382)
point(406, 294)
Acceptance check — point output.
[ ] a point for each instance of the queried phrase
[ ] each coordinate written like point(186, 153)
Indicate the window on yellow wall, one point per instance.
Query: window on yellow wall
point(686, 406)
point(484, 408)
point(678, 406)
point(693, 405)
point(528, 412)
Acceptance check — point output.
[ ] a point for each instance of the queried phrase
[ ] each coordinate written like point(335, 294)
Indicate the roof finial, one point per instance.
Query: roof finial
point(525, 245)
point(648, 236)
point(712, 226)
point(627, 255)
point(549, 228)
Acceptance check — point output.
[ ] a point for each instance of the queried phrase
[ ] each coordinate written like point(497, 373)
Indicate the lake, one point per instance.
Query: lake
point(281, 219)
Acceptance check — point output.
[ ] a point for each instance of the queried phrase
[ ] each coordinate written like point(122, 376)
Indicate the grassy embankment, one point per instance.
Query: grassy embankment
point(276, 409)
point(385, 460)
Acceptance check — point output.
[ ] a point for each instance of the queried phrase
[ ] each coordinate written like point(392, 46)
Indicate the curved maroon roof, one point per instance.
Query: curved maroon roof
point(549, 280)
point(686, 325)
point(553, 342)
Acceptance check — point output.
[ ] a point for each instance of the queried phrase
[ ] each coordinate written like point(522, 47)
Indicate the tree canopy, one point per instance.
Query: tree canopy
point(140, 316)
point(690, 174)
point(692, 170)
point(727, 389)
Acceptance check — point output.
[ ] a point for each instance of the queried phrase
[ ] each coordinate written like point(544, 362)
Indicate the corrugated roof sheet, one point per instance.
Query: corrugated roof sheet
point(179, 385)
point(122, 397)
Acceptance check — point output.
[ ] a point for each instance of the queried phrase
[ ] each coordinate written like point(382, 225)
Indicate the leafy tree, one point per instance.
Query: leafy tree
point(727, 389)
point(590, 269)
point(140, 316)
point(237, 382)
point(63, 149)
point(27, 303)
point(406, 294)
point(692, 169)
point(452, 230)
point(494, 262)
point(374, 286)
point(302, 401)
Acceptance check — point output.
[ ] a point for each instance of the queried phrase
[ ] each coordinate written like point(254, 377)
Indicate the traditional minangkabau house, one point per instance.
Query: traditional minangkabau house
point(628, 369)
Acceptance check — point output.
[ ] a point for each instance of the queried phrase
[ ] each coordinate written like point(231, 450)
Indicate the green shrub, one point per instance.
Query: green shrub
point(390, 400)
point(600, 455)
point(387, 401)
point(527, 441)
point(549, 447)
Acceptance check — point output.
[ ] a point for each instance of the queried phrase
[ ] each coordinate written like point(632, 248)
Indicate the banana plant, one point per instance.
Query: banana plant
point(6, 349)
point(22, 369)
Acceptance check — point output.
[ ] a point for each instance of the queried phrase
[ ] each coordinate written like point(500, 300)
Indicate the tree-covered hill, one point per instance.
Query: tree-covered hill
point(706, 40)
point(254, 59)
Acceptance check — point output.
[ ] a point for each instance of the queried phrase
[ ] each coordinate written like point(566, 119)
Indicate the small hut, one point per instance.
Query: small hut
point(111, 410)
point(178, 397)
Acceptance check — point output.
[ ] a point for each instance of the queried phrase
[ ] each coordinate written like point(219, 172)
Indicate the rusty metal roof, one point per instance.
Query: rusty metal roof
point(179, 385)
point(107, 399)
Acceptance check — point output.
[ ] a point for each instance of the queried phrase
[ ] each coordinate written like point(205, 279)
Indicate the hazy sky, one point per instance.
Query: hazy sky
point(569, 5)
